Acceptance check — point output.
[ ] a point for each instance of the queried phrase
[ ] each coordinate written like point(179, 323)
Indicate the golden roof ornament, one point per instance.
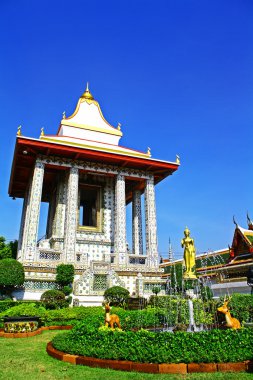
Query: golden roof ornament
point(250, 222)
point(64, 115)
point(119, 127)
point(42, 133)
point(19, 131)
point(87, 95)
point(177, 159)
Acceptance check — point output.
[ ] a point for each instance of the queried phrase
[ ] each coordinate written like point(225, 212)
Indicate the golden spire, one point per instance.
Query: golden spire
point(19, 131)
point(119, 127)
point(149, 152)
point(177, 159)
point(42, 132)
point(87, 94)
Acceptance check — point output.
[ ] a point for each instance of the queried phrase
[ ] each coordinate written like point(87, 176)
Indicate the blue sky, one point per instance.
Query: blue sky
point(178, 76)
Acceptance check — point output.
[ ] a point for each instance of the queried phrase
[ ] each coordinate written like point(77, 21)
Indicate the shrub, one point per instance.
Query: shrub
point(65, 274)
point(29, 308)
point(53, 299)
point(156, 289)
point(144, 346)
point(116, 295)
point(241, 306)
point(6, 304)
point(11, 275)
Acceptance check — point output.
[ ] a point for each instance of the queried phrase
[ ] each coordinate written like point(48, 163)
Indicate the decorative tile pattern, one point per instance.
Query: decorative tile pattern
point(59, 216)
point(100, 282)
point(49, 256)
point(139, 285)
point(51, 212)
point(71, 216)
point(40, 285)
point(33, 211)
point(120, 220)
point(150, 220)
point(22, 225)
point(95, 280)
point(93, 166)
point(137, 224)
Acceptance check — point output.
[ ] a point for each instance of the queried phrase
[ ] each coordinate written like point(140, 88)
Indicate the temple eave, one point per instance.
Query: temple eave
point(27, 149)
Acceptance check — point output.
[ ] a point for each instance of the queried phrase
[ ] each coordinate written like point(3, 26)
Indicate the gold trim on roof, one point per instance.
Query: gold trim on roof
point(115, 132)
point(92, 147)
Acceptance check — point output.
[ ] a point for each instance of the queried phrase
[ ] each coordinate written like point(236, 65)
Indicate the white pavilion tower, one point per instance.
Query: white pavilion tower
point(88, 179)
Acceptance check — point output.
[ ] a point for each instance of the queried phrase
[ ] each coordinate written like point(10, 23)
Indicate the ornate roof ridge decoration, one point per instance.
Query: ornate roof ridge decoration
point(87, 97)
point(250, 222)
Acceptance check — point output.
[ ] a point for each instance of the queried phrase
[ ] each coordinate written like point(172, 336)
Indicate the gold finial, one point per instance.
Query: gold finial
point(19, 131)
point(119, 127)
point(64, 115)
point(149, 151)
point(87, 94)
point(177, 159)
point(42, 133)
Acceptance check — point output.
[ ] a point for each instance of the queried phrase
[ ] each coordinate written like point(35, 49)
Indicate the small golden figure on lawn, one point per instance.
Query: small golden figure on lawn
point(111, 319)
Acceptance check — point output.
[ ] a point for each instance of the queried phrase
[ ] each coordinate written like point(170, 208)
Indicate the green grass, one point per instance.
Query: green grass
point(22, 359)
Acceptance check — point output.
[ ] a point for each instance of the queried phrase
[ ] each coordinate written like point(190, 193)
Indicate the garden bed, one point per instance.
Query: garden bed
point(28, 334)
point(124, 365)
point(214, 346)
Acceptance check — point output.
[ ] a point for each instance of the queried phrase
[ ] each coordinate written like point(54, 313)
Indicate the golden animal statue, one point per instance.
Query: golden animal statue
point(189, 256)
point(232, 323)
point(111, 319)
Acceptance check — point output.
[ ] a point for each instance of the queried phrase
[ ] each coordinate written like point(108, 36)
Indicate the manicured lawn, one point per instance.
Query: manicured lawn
point(27, 359)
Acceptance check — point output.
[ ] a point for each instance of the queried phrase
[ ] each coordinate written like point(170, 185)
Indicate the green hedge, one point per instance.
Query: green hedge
point(148, 347)
point(241, 307)
point(176, 313)
point(7, 304)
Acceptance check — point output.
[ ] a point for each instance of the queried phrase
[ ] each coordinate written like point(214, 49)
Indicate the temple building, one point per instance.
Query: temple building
point(225, 270)
point(87, 179)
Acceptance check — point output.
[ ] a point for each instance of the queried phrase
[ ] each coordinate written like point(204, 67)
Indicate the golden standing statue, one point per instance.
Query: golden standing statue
point(189, 256)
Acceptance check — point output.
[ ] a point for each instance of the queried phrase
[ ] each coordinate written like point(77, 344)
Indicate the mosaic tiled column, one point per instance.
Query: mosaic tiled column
point(151, 228)
point(120, 220)
point(22, 225)
point(139, 285)
point(31, 224)
point(51, 211)
point(71, 216)
point(60, 208)
point(137, 224)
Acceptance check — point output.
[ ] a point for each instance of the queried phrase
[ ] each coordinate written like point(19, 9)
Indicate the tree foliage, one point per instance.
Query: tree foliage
point(65, 274)
point(8, 250)
point(11, 275)
point(116, 295)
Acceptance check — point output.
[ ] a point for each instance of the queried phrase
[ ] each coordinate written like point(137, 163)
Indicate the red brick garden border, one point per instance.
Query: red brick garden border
point(124, 365)
point(32, 333)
